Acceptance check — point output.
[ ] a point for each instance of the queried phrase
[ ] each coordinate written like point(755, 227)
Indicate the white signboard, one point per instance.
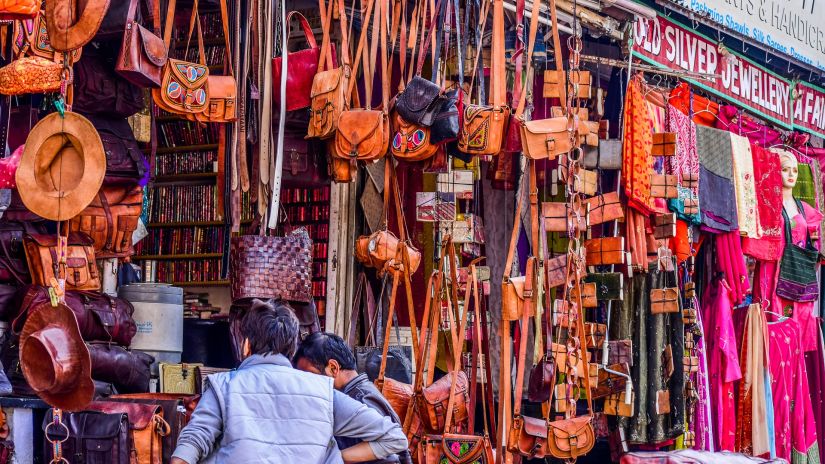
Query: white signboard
point(792, 27)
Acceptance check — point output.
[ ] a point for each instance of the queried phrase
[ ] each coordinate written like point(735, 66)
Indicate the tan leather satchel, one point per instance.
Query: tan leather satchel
point(328, 97)
point(485, 126)
point(147, 427)
point(223, 90)
point(80, 269)
point(110, 220)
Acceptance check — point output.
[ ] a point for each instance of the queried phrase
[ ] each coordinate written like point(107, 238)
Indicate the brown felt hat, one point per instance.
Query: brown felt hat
point(62, 167)
point(54, 359)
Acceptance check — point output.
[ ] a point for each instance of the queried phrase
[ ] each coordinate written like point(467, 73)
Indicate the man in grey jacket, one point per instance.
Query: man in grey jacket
point(327, 354)
point(268, 412)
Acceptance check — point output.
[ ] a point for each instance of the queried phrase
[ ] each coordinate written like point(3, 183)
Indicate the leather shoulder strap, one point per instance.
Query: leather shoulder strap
point(521, 359)
point(170, 21)
point(498, 81)
point(511, 250)
point(225, 25)
point(521, 95)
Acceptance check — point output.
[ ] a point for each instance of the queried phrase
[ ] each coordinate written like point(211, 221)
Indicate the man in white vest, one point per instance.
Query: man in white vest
point(268, 412)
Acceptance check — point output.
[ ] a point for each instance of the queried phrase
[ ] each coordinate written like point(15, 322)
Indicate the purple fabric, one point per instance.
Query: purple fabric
point(716, 201)
point(702, 426)
point(730, 118)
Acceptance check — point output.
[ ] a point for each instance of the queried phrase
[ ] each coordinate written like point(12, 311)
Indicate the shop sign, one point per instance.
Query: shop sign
point(669, 44)
point(791, 27)
point(809, 109)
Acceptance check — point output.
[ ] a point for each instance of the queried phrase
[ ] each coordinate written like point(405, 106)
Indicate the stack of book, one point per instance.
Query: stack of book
point(197, 306)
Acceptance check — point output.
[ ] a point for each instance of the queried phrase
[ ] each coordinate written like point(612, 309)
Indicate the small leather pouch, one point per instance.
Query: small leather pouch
point(565, 314)
point(512, 298)
point(663, 186)
point(588, 295)
point(691, 206)
point(689, 316)
point(554, 83)
point(609, 382)
point(690, 290)
point(559, 217)
point(556, 271)
point(609, 285)
point(607, 156)
point(663, 402)
point(664, 300)
point(664, 144)
point(664, 226)
point(605, 251)
point(585, 181)
point(620, 351)
point(617, 405)
point(594, 334)
point(603, 208)
point(691, 364)
point(690, 180)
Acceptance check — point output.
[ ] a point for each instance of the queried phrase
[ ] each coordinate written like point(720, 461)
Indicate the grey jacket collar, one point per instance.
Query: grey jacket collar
point(355, 383)
point(256, 359)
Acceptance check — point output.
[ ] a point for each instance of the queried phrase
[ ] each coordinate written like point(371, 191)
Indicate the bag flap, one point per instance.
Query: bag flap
point(87, 425)
point(222, 87)
point(357, 125)
point(153, 46)
point(472, 112)
point(546, 126)
point(518, 285)
point(419, 94)
point(564, 429)
point(74, 262)
point(439, 391)
point(187, 74)
point(42, 240)
point(140, 414)
point(80, 239)
point(327, 81)
point(535, 427)
point(462, 449)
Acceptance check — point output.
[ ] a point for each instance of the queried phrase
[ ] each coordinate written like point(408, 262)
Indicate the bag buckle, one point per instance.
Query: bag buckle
point(550, 143)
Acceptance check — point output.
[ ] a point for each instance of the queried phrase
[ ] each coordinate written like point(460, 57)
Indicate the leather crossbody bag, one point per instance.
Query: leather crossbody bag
point(81, 268)
point(328, 96)
point(223, 90)
point(147, 428)
point(96, 436)
point(301, 67)
point(142, 53)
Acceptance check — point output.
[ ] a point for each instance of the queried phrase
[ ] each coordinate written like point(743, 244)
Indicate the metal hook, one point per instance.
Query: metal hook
point(744, 47)
point(767, 60)
point(694, 23)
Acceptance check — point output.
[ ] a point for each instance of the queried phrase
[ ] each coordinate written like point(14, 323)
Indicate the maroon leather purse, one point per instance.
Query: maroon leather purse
point(142, 53)
point(301, 69)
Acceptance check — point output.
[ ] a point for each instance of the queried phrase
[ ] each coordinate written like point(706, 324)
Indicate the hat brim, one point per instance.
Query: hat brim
point(48, 204)
point(81, 395)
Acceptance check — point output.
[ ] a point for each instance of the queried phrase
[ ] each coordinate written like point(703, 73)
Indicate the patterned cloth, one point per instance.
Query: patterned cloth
point(714, 149)
point(743, 182)
point(685, 161)
point(637, 164)
point(793, 417)
point(804, 189)
point(767, 172)
point(753, 436)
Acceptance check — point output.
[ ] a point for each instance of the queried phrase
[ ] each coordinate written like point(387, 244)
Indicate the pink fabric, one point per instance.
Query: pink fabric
point(723, 361)
point(702, 425)
point(767, 172)
point(731, 262)
point(768, 273)
point(794, 423)
point(8, 168)
point(730, 118)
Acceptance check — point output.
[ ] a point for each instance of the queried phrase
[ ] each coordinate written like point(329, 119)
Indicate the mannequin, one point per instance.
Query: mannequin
point(790, 173)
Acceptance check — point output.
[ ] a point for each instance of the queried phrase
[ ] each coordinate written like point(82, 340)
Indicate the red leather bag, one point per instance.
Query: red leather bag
point(301, 67)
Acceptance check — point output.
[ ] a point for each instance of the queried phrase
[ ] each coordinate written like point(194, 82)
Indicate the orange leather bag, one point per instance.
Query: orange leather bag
point(223, 90)
point(147, 427)
point(110, 220)
point(19, 9)
point(328, 97)
point(184, 87)
point(30, 74)
point(603, 251)
point(81, 268)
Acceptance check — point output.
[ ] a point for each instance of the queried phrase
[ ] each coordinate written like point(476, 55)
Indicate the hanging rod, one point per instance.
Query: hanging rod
point(651, 69)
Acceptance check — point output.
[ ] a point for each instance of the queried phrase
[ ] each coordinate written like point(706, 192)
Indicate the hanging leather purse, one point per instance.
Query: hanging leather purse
point(30, 74)
point(184, 88)
point(606, 156)
point(560, 217)
point(514, 290)
point(301, 66)
point(110, 219)
point(19, 9)
point(223, 90)
point(604, 208)
point(328, 96)
point(664, 300)
point(664, 144)
point(663, 186)
point(142, 53)
point(147, 428)
point(81, 267)
point(411, 142)
point(485, 126)
point(31, 38)
point(421, 100)
point(605, 251)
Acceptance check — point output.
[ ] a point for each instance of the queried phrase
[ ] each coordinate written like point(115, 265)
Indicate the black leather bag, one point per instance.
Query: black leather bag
point(399, 366)
point(447, 124)
point(98, 89)
point(127, 370)
point(420, 102)
point(13, 267)
point(93, 438)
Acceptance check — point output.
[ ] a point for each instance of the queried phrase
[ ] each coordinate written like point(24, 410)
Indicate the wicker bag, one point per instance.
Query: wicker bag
point(272, 267)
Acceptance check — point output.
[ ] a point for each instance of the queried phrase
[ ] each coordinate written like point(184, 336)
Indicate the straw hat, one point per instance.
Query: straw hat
point(62, 167)
point(54, 359)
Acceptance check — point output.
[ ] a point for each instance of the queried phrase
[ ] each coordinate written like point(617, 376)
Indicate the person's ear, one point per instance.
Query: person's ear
point(333, 368)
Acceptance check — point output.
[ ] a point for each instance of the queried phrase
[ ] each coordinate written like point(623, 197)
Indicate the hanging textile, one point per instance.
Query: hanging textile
point(793, 417)
point(702, 425)
point(767, 172)
point(723, 361)
point(637, 164)
point(702, 111)
point(746, 205)
point(736, 121)
point(753, 436)
point(804, 189)
point(731, 262)
point(716, 179)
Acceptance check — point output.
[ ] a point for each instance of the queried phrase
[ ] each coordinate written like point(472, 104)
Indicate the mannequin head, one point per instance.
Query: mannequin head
point(790, 170)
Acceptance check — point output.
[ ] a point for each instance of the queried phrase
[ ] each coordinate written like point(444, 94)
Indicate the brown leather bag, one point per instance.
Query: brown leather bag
point(223, 90)
point(81, 268)
point(328, 97)
point(411, 142)
point(110, 219)
point(560, 217)
point(664, 300)
point(604, 208)
point(604, 251)
point(142, 52)
point(380, 250)
point(147, 428)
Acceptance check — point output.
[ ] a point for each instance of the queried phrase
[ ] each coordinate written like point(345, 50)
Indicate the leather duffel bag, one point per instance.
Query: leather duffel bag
point(147, 428)
point(127, 370)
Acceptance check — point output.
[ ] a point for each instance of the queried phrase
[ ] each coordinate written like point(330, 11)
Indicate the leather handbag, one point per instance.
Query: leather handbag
point(411, 142)
point(100, 91)
point(98, 437)
point(13, 267)
point(30, 74)
point(485, 126)
point(142, 52)
point(607, 156)
point(798, 268)
point(81, 268)
point(363, 135)
point(447, 124)
point(381, 251)
point(272, 267)
point(604, 208)
point(328, 95)
point(605, 251)
point(184, 87)
point(455, 449)
point(420, 102)
point(664, 144)
point(19, 9)
point(128, 370)
point(223, 90)
point(545, 138)
point(664, 300)
point(147, 428)
point(304, 163)
point(111, 219)
point(663, 186)
point(100, 317)
point(301, 67)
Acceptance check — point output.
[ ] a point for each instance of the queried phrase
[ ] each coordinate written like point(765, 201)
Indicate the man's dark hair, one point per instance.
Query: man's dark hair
point(318, 348)
point(271, 328)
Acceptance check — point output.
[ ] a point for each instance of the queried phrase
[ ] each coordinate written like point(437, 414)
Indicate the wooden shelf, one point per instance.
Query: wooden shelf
point(207, 283)
point(185, 177)
point(184, 224)
point(203, 147)
point(185, 256)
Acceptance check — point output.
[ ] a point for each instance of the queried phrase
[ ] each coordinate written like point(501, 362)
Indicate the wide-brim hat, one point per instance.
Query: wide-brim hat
point(62, 167)
point(54, 359)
